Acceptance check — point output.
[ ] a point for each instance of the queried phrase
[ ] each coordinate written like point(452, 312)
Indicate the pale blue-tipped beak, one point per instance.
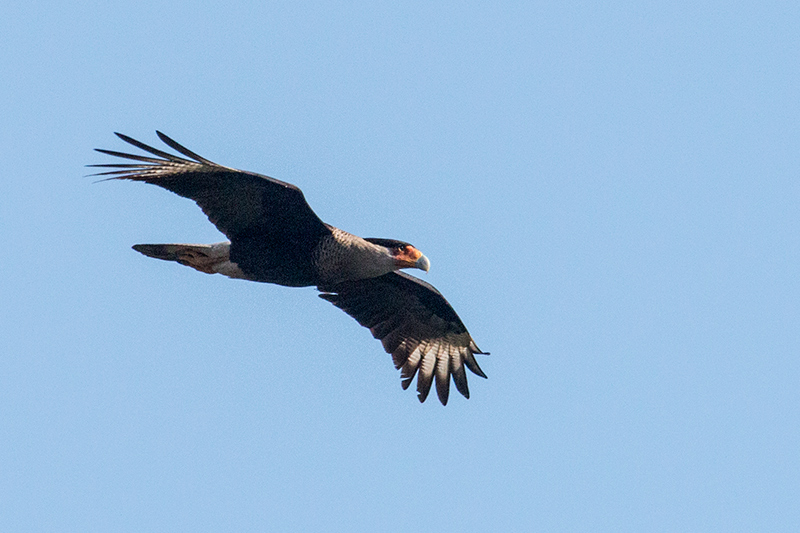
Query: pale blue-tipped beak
point(423, 263)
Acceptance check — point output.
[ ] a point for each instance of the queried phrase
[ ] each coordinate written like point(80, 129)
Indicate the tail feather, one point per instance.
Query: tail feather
point(167, 252)
point(208, 258)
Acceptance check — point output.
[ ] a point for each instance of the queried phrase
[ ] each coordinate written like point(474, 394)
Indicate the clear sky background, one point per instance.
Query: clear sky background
point(609, 198)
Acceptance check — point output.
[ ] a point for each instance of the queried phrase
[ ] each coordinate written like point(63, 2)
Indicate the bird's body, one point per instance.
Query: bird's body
point(275, 237)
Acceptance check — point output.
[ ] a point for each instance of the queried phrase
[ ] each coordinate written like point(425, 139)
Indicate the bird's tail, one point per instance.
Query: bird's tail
point(208, 258)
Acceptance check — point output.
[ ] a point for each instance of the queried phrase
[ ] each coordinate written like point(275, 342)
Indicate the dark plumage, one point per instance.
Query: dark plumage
point(275, 237)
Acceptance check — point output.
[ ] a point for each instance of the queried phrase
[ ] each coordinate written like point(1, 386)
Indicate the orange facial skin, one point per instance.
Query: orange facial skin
point(410, 257)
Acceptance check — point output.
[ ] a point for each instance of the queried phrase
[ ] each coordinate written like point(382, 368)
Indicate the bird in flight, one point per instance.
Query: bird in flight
point(275, 237)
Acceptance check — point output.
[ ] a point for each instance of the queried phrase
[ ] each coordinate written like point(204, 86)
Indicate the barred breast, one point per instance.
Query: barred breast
point(343, 256)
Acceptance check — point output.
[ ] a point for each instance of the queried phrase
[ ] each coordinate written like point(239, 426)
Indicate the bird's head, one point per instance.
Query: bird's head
point(404, 254)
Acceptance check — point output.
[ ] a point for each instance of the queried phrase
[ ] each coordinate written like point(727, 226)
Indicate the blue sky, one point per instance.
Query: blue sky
point(608, 195)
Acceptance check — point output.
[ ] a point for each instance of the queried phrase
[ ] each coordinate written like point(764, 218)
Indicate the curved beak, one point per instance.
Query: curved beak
point(423, 263)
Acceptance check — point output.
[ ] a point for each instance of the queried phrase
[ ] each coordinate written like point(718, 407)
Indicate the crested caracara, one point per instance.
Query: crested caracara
point(275, 237)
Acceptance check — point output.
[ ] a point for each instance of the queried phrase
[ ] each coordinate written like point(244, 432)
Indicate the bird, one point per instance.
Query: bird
point(275, 237)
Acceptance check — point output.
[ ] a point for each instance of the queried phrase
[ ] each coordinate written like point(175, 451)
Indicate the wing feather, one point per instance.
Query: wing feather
point(410, 367)
point(458, 371)
point(442, 373)
point(401, 353)
point(241, 204)
point(416, 325)
point(426, 368)
point(175, 146)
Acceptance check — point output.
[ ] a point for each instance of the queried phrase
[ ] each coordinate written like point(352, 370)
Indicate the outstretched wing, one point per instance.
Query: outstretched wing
point(416, 325)
point(238, 203)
